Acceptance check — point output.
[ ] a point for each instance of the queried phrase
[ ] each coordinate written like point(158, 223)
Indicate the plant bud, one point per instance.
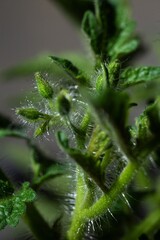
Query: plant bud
point(30, 113)
point(63, 103)
point(114, 72)
point(41, 129)
point(100, 83)
point(102, 80)
point(44, 88)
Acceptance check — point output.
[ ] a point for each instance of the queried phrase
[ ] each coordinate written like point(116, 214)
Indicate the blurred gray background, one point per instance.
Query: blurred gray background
point(30, 27)
point(33, 26)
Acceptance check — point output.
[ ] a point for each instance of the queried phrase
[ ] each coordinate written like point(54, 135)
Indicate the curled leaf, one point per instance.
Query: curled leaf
point(13, 208)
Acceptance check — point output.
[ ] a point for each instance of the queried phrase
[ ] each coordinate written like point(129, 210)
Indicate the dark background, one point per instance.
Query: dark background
point(30, 27)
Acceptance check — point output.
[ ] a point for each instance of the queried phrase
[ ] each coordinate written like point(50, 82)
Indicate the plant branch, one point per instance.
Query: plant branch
point(103, 204)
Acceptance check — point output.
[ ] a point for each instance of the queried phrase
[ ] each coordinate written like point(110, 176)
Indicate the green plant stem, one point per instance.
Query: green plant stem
point(84, 188)
point(84, 200)
point(147, 226)
point(103, 204)
point(51, 105)
point(37, 224)
point(90, 193)
point(106, 201)
point(80, 190)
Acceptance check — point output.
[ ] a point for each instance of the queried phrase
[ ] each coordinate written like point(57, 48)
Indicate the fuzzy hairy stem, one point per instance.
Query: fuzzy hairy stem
point(105, 202)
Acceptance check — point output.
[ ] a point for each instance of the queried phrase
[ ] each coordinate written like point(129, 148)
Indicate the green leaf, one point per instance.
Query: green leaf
point(120, 51)
point(110, 29)
point(124, 41)
point(100, 27)
point(41, 129)
point(83, 159)
point(55, 170)
point(70, 69)
point(105, 13)
point(124, 44)
point(41, 161)
point(92, 29)
point(44, 167)
point(66, 65)
point(132, 76)
point(13, 207)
